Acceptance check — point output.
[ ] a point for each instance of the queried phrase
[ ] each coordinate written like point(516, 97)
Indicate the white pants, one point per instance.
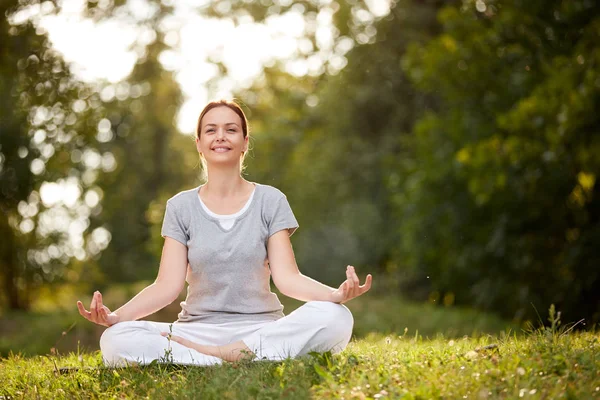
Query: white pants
point(315, 326)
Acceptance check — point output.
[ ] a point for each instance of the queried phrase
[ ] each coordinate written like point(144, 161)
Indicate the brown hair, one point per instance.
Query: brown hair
point(245, 128)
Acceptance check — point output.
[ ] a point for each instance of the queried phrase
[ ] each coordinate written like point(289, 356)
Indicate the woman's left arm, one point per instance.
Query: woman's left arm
point(292, 283)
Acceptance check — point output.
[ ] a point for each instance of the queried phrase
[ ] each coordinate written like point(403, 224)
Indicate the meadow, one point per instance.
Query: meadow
point(399, 350)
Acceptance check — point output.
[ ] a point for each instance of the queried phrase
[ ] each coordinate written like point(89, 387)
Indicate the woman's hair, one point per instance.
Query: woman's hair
point(245, 129)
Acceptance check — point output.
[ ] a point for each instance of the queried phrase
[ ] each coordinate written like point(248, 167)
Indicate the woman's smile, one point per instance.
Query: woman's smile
point(221, 149)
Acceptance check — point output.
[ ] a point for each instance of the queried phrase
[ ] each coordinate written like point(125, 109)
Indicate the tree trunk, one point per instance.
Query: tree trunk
point(9, 266)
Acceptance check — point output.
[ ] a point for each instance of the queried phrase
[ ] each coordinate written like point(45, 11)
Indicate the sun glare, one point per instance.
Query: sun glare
point(109, 49)
point(102, 50)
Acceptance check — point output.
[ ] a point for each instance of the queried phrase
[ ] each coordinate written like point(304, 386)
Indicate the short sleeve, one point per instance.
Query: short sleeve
point(173, 225)
point(282, 218)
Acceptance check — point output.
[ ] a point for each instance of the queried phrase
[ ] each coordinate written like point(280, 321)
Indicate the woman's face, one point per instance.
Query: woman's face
point(221, 139)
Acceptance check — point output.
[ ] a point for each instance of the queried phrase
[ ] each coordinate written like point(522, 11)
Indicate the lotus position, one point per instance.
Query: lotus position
point(226, 238)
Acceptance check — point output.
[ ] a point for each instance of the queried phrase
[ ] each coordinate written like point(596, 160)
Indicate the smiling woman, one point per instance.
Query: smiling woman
point(222, 128)
point(227, 238)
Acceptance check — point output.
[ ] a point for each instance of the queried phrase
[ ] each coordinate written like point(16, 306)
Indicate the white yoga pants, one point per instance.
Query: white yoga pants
point(315, 326)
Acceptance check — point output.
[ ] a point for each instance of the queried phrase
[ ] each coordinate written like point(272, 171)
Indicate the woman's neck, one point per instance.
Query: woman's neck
point(224, 183)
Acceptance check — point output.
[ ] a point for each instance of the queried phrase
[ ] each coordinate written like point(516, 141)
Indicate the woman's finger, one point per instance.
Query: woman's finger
point(354, 276)
point(355, 281)
point(99, 301)
point(84, 313)
point(101, 318)
point(349, 280)
point(349, 285)
point(367, 284)
point(344, 291)
point(103, 313)
point(93, 308)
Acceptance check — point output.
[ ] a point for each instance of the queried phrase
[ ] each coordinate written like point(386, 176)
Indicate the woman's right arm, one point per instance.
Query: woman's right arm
point(165, 289)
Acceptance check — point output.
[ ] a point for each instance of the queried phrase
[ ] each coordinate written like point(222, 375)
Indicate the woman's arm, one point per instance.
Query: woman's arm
point(292, 283)
point(164, 290)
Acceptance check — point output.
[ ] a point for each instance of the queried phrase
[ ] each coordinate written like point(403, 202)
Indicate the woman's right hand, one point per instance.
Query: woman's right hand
point(99, 313)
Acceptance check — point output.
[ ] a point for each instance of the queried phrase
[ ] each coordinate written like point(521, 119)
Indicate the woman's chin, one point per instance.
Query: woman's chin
point(223, 159)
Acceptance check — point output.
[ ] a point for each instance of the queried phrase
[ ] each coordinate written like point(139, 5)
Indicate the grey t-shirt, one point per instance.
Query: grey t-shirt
point(228, 278)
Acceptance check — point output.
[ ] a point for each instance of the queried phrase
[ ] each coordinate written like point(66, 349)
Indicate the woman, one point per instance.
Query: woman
point(226, 238)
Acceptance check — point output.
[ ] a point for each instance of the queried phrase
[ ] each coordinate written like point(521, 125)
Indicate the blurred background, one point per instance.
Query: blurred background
point(450, 148)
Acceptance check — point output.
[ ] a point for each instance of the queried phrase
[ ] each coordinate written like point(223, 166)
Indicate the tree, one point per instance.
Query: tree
point(500, 202)
point(153, 162)
point(48, 122)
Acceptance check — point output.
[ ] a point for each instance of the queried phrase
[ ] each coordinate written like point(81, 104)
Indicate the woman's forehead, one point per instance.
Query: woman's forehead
point(221, 116)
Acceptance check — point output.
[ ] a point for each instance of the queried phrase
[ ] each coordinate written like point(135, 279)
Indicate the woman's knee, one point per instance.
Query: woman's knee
point(113, 340)
point(109, 338)
point(336, 318)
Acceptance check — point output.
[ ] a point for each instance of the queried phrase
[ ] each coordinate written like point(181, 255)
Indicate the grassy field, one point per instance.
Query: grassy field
point(542, 365)
point(450, 356)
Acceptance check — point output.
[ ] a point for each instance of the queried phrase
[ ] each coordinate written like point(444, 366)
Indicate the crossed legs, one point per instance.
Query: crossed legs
point(315, 326)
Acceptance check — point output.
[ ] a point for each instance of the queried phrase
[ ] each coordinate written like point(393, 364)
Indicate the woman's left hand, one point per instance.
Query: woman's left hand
point(351, 287)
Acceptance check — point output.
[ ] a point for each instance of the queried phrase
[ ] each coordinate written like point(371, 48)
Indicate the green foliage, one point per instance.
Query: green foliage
point(49, 117)
point(48, 120)
point(551, 334)
point(499, 202)
point(154, 162)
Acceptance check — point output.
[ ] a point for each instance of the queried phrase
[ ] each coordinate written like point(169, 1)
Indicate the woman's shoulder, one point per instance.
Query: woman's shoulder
point(270, 192)
point(184, 198)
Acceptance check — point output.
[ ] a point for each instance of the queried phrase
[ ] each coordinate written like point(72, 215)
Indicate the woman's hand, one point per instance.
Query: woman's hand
point(99, 313)
point(351, 287)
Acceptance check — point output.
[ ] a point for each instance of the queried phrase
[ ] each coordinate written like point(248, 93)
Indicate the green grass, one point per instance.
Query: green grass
point(419, 352)
point(534, 366)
